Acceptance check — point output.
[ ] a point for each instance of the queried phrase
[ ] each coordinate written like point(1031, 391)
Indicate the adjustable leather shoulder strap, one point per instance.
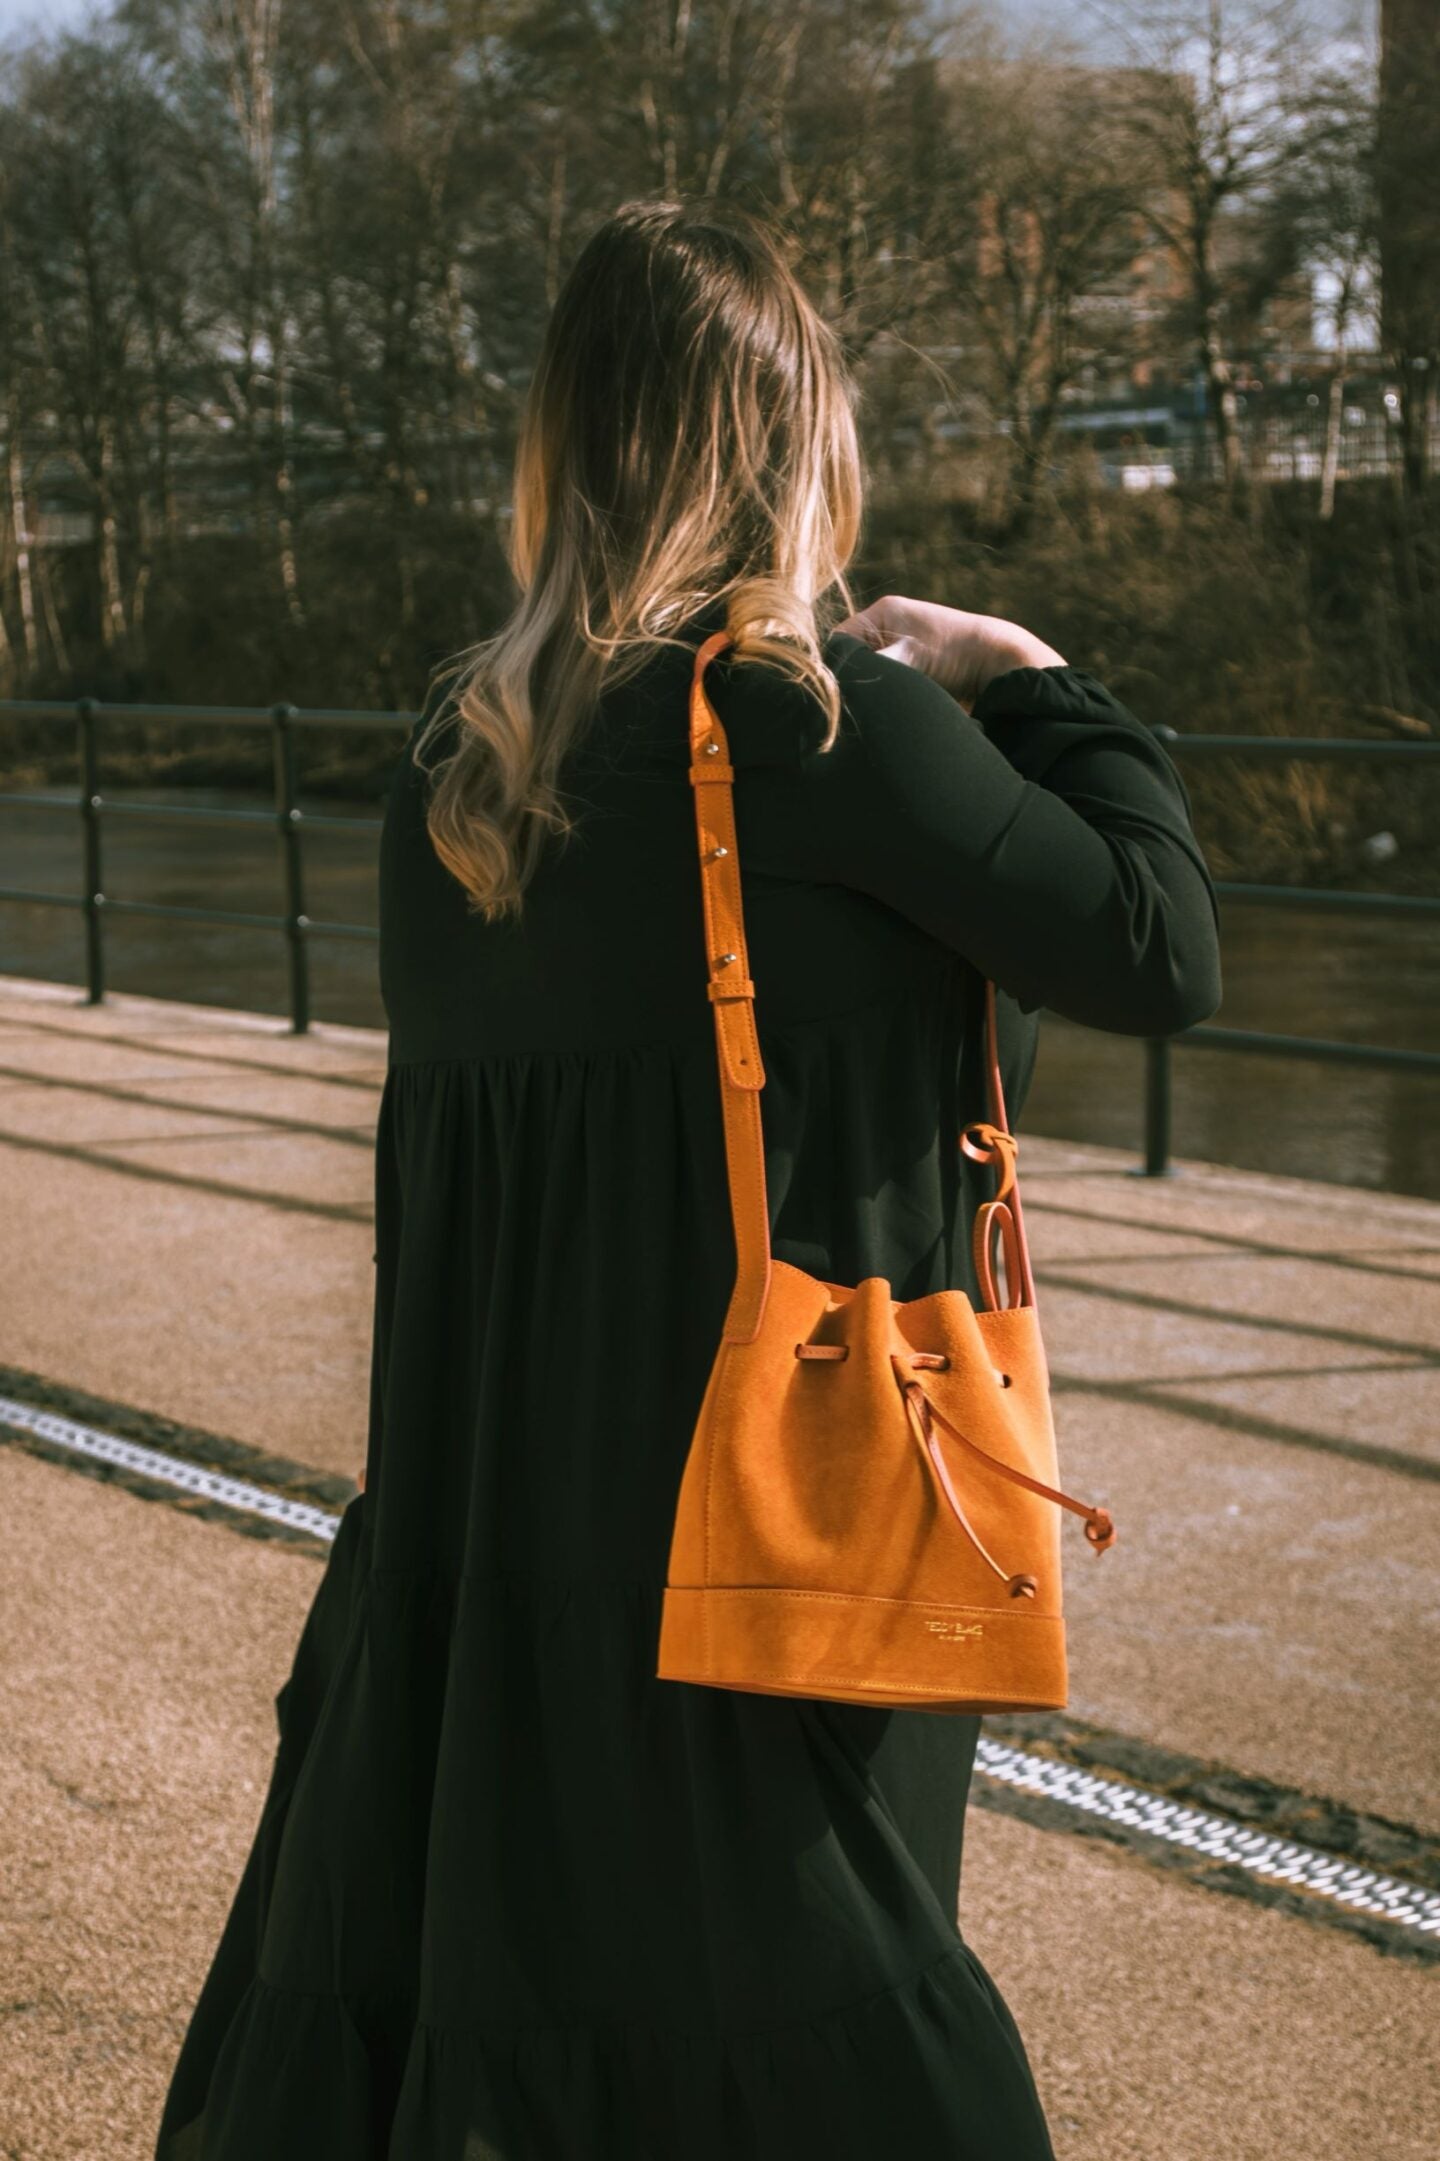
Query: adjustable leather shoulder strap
point(732, 995)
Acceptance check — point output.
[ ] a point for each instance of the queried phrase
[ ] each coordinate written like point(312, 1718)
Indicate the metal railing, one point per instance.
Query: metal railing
point(1272, 750)
point(291, 824)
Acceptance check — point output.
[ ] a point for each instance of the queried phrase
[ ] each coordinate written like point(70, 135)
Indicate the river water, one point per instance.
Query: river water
point(1362, 980)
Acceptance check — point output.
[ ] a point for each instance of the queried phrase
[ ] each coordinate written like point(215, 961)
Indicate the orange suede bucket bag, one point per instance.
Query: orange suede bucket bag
point(869, 1511)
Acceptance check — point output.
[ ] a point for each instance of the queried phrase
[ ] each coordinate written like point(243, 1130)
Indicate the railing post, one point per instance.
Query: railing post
point(88, 714)
point(288, 819)
point(1157, 1108)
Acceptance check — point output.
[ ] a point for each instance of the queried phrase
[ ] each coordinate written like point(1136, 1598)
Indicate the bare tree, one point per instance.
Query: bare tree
point(273, 276)
point(1216, 96)
point(16, 380)
point(217, 64)
point(1408, 152)
point(862, 230)
point(380, 307)
point(71, 145)
point(1323, 220)
point(1044, 228)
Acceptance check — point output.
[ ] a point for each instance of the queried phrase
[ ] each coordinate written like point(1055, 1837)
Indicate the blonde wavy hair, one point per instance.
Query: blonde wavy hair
point(688, 436)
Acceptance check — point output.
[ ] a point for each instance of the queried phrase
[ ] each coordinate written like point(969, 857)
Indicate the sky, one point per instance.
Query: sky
point(26, 14)
point(49, 14)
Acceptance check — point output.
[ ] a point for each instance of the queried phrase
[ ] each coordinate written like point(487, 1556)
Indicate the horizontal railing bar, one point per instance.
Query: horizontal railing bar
point(1314, 896)
point(44, 900)
point(1293, 896)
point(172, 911)
point(204, 716)
point(322, 818)
point(167, 909)
point(231, 716)
point(373, 721)
point(1293, 746)
point(1303, 1046)
point(39, 802)
point(218, 814)
point(215, 813)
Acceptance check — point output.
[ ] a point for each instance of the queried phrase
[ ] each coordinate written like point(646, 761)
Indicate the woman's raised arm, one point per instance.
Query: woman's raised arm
point(1046, 836)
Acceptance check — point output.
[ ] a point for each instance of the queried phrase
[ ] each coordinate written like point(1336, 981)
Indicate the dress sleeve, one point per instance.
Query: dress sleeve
point(1046, 837)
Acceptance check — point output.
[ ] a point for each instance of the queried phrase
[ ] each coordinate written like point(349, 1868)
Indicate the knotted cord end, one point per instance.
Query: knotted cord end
point(994, 1142)
point(1099, 1529)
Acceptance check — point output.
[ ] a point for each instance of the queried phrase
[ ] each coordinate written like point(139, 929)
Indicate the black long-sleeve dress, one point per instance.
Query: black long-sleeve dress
point(512, 1897)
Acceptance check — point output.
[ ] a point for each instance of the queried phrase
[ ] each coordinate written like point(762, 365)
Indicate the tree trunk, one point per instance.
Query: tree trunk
point(1417, 396)
point(112, 597)
point(284, 480)
point(1334, 421)
point(464, 403)
point(1220, 397)
point(20, 528)
point(1030, 470)
point(1219, 384)
point(59, 652)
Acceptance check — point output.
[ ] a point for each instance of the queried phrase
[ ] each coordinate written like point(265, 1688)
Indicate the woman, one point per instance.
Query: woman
point(513, 1897)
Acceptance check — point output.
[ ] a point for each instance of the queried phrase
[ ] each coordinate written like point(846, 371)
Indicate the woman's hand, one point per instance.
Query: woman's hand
point(960, 651)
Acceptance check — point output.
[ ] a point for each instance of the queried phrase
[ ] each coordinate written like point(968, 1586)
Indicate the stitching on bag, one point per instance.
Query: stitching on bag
point(886, 1688)
point(858, 1598)
point(910, 1688)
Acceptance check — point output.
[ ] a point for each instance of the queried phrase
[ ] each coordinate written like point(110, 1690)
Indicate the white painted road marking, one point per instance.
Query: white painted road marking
point(236, 1493)
point(1220, 1838)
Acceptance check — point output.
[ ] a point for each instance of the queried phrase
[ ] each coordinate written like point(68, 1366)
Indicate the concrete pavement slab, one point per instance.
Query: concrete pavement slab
point(1269, 1608)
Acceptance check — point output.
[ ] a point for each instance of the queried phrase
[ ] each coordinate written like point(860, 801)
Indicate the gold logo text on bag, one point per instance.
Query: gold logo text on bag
point(861, 1465)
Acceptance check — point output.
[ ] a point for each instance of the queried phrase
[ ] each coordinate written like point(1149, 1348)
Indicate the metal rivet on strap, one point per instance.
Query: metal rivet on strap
point(712, 750)
point(716, 853)
point(725, 959)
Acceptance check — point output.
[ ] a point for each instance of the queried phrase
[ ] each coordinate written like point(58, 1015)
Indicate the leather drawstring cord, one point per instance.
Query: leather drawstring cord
point(994, 1143)
point(1004, 1211)
point(1099, 1528)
